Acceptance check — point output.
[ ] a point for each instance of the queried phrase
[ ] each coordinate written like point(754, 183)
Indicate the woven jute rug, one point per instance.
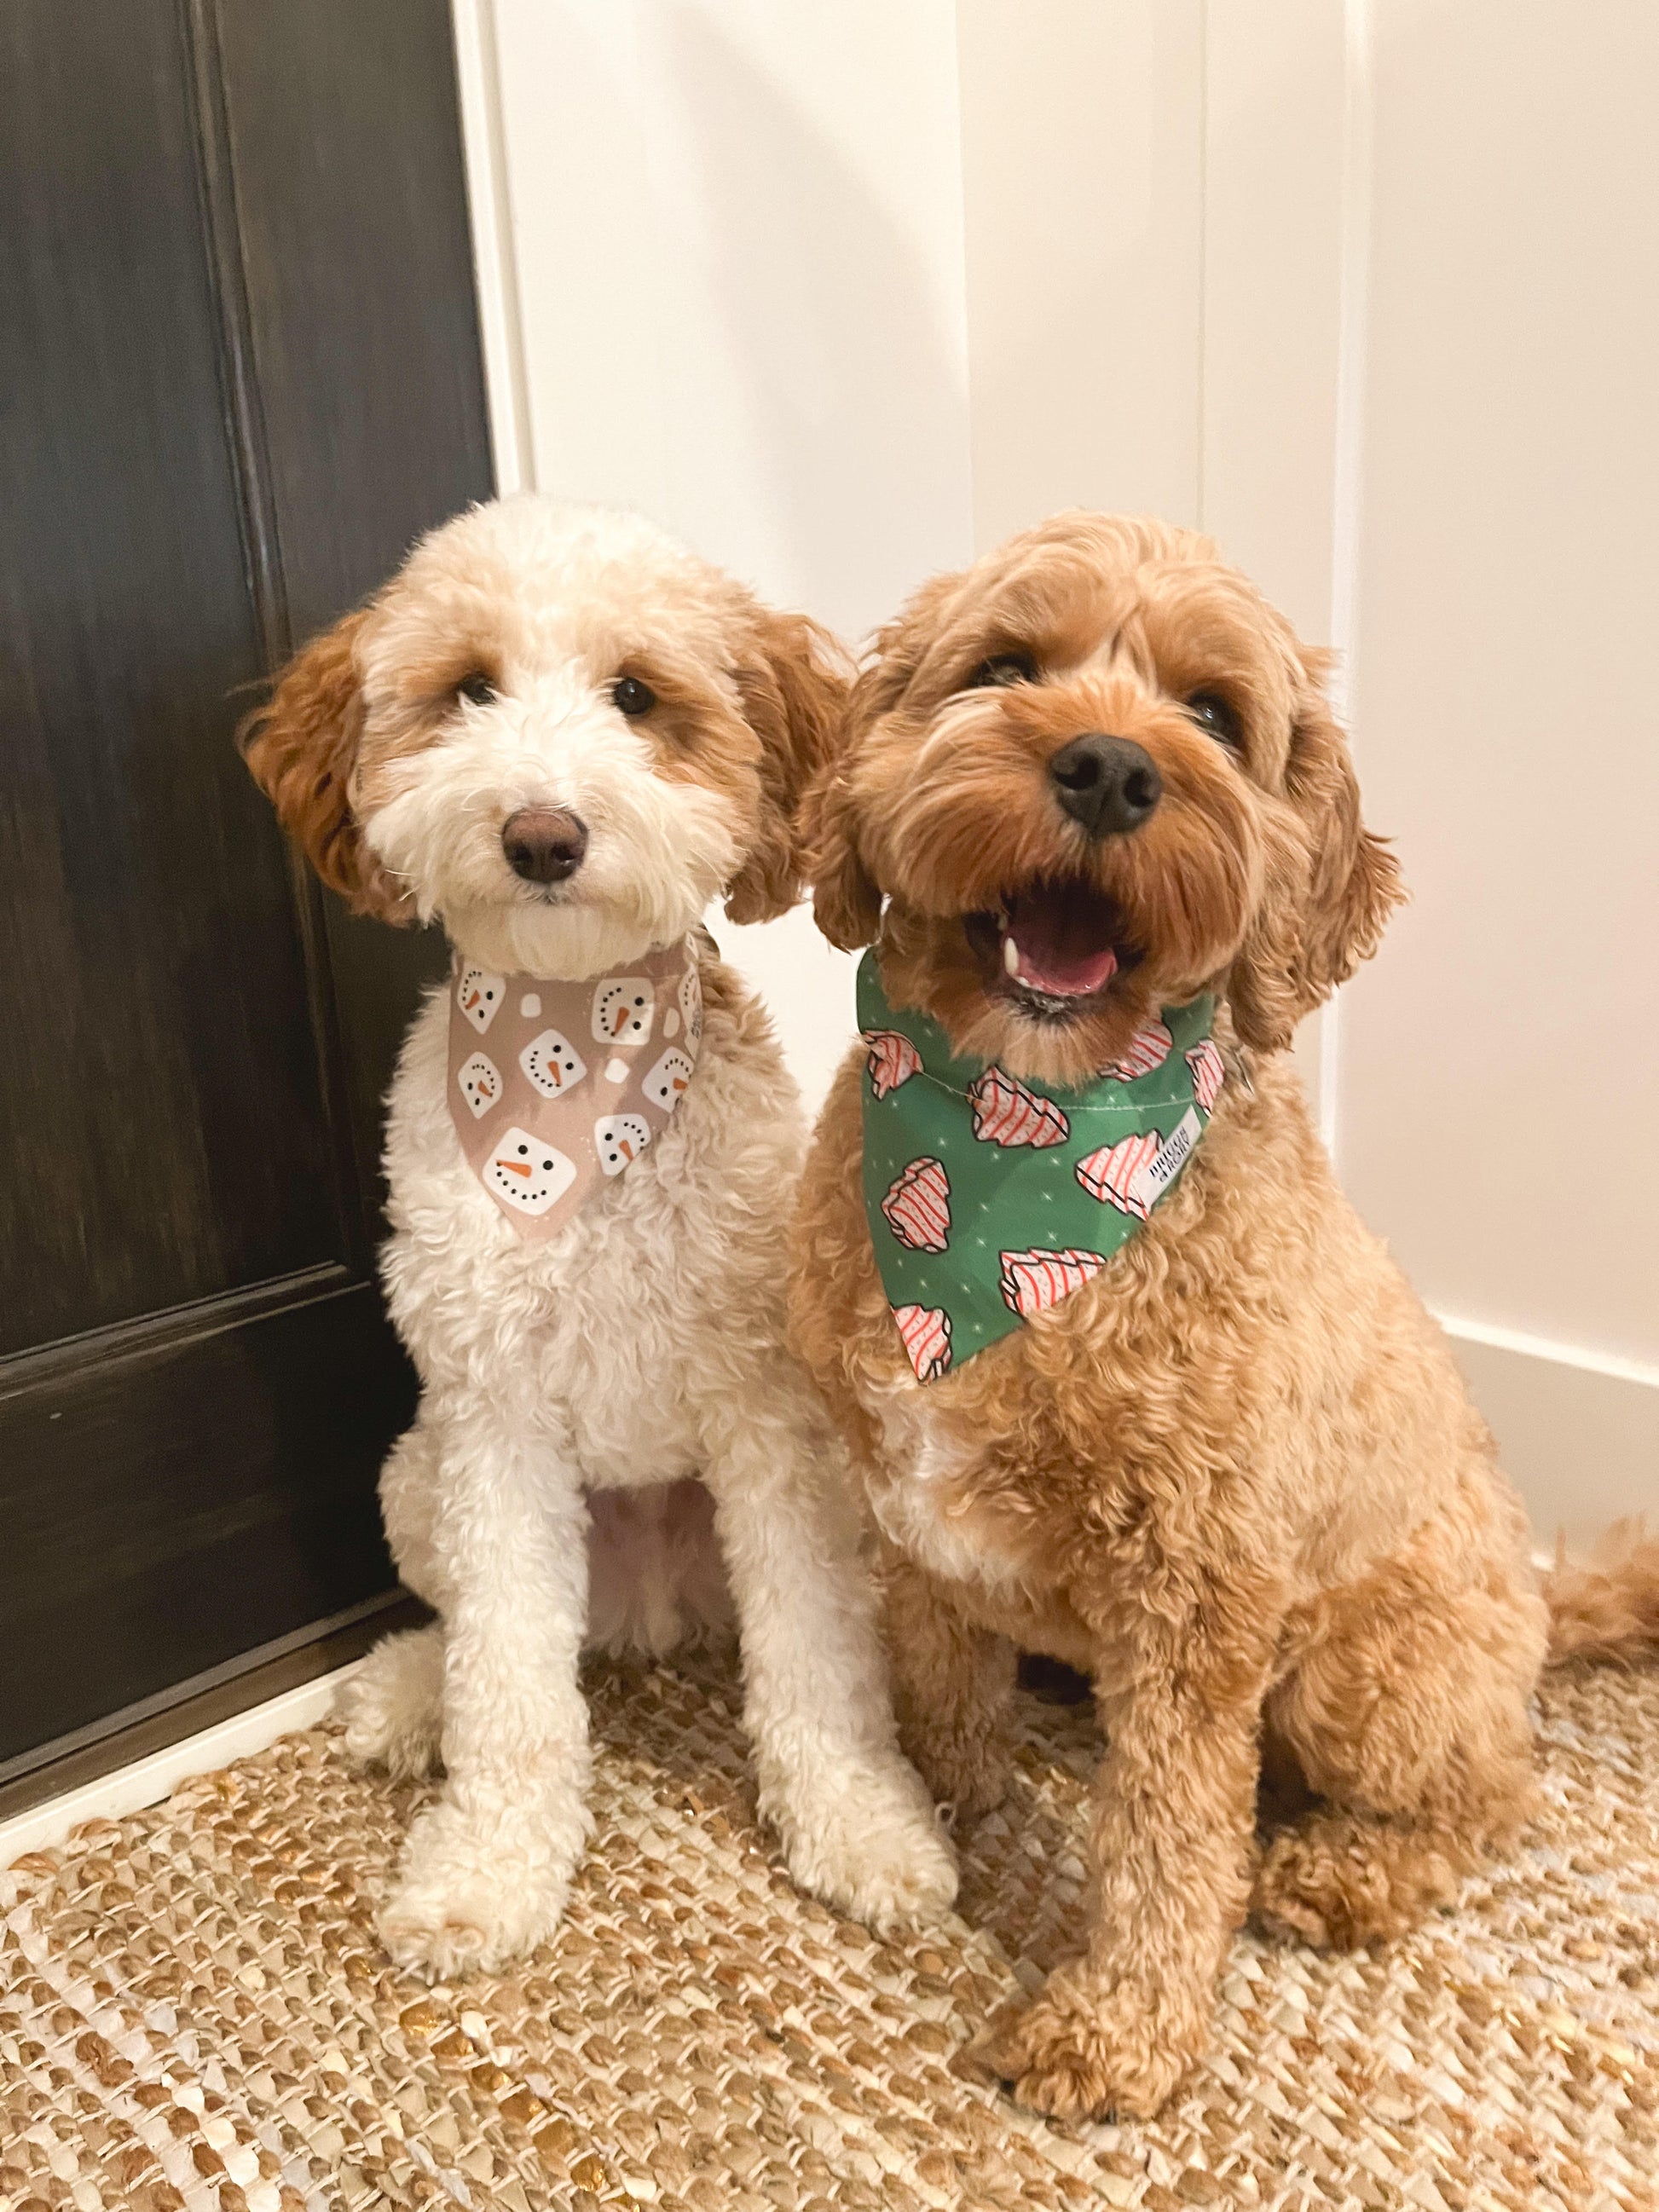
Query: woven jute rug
point(194, 2011)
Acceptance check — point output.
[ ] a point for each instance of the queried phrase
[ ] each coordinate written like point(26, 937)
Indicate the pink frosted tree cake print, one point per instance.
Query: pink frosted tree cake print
point(918, 1207)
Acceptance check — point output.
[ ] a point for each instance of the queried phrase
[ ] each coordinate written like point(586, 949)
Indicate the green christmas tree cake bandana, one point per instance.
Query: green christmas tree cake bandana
point(990, 1200)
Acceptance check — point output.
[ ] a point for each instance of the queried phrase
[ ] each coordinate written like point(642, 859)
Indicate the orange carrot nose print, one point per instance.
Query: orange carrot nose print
point(621, 1022)
point(513, 1167)
point(626, 1150)
point(679, 1082)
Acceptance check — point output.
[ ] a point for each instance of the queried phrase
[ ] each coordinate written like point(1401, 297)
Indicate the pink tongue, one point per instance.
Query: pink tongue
point(1058, 942)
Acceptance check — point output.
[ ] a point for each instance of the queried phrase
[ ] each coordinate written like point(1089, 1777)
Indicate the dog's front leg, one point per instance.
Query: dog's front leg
point(952, 1687)
point(857, 1826)
point(1179, 1692)
point(393, 1706)
point(485, 1872)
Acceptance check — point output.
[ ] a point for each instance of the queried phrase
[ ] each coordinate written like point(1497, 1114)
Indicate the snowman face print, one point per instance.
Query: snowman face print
point(480, 1080)
point(619, 1139)
point(667, 1083)
point(479, 994)
point(553, 1064)
point(623, 1010)
point(527, 1173)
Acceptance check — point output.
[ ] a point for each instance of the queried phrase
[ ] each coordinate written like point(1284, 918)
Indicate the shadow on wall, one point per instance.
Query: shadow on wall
point(851, 388)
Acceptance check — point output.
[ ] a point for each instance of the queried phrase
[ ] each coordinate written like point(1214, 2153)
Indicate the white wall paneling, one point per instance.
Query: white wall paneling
point(1579, 1432)
point(1510, 579)
point(1499, 1063)
point(1421, 224)
point(738, 229)
point(1082, 166)
point(489, 198)
point(844, 294)
point(1282, 333)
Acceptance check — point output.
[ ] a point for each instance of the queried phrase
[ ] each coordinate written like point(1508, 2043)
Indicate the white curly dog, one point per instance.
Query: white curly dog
point(563, 736)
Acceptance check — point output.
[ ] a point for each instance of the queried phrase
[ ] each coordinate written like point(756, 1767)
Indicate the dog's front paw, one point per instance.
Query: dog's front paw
point(866, 1840)
point(1079, 2051)
point(475, 1891)
point(392, 1706)
point(1340, 1880)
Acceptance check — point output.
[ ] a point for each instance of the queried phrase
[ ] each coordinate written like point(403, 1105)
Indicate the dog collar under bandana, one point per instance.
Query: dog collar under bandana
point(555, 1086)
point(990, 1200)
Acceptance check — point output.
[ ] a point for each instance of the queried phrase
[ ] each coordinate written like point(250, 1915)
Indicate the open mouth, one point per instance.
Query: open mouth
point(1056, 946)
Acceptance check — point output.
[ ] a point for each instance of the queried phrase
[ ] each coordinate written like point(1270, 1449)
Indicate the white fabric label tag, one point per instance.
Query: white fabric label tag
point(1166, 1162)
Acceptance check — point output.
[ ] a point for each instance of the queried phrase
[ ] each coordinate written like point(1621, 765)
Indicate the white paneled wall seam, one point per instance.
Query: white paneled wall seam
point(1347, 486)
point(1201, 435)
point(489, 205)
point(843, 294)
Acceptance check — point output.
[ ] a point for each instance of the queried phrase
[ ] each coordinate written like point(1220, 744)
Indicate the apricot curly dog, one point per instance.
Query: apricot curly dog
point(1228, 1466)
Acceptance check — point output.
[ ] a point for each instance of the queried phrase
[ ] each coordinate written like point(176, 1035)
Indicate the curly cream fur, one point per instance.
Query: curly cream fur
point(1236, 1478)
point(644, 1344)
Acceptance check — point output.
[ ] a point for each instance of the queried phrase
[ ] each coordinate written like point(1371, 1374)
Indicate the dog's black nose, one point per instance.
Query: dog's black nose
point(1109, 785)
point(545, 844)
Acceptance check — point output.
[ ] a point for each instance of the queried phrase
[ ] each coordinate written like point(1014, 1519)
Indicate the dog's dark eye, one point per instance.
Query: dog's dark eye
point(1212, 711)
point(1003, 669)
point(476, 688)
point(632, 698)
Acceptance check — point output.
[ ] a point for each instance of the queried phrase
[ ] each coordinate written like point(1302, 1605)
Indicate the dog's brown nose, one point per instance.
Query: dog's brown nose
point(1108, 785)
point(545, 844)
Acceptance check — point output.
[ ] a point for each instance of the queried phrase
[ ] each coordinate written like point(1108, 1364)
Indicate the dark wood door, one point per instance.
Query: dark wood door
point(239, 371)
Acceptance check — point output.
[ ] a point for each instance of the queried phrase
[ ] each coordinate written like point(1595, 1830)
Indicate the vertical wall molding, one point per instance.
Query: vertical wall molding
point(489, 202)
point(1282, 165)
point(1084, 189)
point(1348, 460)
point(1201, 434)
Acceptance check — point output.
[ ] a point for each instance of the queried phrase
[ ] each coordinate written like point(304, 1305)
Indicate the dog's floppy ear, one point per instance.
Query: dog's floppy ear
point(792, 680)
point(300, 748)
point(1330, 886)
point(846, 897)
point(846, 900)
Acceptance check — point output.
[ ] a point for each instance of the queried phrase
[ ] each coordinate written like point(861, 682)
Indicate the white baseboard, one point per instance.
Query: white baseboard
point(147, 1781)
point(1579, 1438)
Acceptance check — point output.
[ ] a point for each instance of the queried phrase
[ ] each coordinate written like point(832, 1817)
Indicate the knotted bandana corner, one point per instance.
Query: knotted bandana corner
point(988, 1198)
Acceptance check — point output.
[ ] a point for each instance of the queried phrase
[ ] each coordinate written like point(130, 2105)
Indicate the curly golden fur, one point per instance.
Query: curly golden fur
point(1237, 1477)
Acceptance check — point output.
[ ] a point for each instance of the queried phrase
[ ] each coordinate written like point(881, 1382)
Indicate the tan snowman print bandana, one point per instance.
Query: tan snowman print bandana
point(555, 1087)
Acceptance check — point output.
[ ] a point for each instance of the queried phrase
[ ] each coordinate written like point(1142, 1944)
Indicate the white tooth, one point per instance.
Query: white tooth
point(1011, 955)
